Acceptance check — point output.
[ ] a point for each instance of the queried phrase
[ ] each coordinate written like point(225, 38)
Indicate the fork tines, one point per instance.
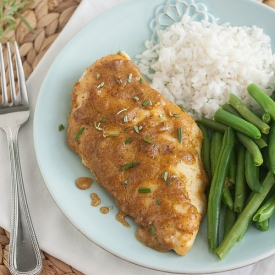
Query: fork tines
point(13, 92)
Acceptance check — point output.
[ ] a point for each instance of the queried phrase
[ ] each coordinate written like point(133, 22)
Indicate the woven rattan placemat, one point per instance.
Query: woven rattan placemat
point(47, 18)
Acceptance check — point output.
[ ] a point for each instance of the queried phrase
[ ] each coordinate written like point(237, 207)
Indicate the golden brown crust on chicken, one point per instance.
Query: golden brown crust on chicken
point(128, 123)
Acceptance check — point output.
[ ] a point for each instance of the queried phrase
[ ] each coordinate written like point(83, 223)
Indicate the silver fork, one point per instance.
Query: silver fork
point(24, 252)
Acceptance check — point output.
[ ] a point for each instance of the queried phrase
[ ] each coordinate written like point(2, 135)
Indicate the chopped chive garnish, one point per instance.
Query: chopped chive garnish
point(174, 115)
point(158, 201)
point(110, 207)
point(146, 102)
point(78, 134)
point(152, 229)
point(165, 175)
point(129, 165)
point(147, 140)
point(98, 127)
point(100, 85)
point(119, 52)
point(136, 129)
point(120, 111)
point(180, 135)
point(61, 127)
point(111, 135)
point(128, 140)
point(141, 80)
point(97, 75)
point(182, 108)
point(168, 182)
point(103, 120)
point(126, 181)
point(136, 98)
point(144, 190)
point(130, 78)
point(125, 119)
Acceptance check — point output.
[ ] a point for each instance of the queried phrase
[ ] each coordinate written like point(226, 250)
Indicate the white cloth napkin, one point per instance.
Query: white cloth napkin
point(56, 235)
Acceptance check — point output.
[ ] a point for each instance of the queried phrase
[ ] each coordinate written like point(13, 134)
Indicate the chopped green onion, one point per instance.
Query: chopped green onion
point(100, 85)
point(128, 140)
point(165, 175)
point(140, 128)
point(182, 108)
point(146, 102)
point(110, 207)
point(180, 135)
point(110, 135)
point(141, 80)
point(129, 165)
point(161, 115)
point(147, 140)
point(168, 182)
point(97, 127)
point(158, 201)
point(120, 111)
point(61, 127)
point(103, 120)
point(125, 119)
point(144, 190)
point(126, 181)
point(136, 129)
point(174, 115)
point(136, 98)
point(130, 78)
point(78, 134)
point(98, 76)
point(152, 229)
point(119, 52)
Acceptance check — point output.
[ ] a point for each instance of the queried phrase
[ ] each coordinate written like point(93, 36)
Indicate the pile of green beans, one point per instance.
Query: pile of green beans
point(238, 153)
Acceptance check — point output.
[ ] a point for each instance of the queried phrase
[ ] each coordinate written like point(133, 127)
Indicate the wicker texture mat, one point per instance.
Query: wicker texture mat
point(47, 18)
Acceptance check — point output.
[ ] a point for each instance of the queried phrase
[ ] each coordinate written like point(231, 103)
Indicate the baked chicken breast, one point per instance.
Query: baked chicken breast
point(143, 149)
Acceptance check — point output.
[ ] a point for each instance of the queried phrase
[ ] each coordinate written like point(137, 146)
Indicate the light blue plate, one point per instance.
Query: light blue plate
point(126, 28)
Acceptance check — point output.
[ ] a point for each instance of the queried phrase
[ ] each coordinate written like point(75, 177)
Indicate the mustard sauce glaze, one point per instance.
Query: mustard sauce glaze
point(95, 199)
point(112, 98)
point(84, 183)
point(121, 218)
point(104, 210)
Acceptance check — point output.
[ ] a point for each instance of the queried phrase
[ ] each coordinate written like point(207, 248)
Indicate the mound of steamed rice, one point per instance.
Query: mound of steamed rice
point(197, 64)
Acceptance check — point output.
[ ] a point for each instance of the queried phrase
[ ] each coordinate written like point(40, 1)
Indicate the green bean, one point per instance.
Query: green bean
point(263, 99)
point(232, 168)
point(215, 149)
point(230, 218)
point(227, 197)
point(247, 114)
point(245, 217)
point(261, 143)
point(271, 147)
point(205, 153)
point(252, 173)
point(252, 148)
point(227, 107)
point(266, 210)
point(263, 226)
point(240, 186)
point(214, 125)
point(237, 123)
point(216, 188)
point(266, 117)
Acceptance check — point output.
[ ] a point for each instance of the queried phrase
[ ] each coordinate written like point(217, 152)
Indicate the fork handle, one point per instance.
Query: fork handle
point(24, 252)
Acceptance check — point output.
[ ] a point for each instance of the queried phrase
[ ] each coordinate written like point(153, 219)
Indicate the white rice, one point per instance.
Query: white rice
point(197, 64)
